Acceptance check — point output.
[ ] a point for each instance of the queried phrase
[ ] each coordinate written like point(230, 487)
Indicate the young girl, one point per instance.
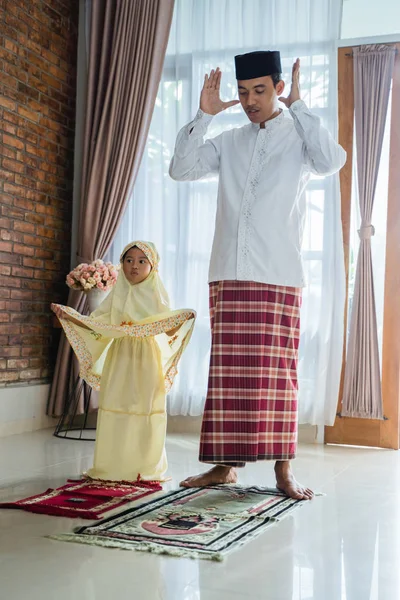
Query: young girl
point(129, 348)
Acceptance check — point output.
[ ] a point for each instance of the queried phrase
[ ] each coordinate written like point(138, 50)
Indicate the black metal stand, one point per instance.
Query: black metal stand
point(74, 426)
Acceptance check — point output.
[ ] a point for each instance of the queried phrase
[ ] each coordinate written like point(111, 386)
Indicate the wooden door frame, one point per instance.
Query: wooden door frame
point(373, 432)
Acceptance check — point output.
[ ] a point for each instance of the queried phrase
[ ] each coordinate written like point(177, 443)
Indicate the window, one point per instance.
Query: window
point(179, 218)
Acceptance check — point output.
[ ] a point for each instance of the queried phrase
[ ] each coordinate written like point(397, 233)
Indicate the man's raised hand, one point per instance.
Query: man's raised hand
point(210, 101)
point(295, 87)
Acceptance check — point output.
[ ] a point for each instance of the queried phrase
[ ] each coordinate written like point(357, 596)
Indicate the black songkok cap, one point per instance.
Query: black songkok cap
point(257, 64)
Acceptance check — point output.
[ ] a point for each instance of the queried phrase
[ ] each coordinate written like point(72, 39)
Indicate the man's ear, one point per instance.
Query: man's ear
point(280, 86)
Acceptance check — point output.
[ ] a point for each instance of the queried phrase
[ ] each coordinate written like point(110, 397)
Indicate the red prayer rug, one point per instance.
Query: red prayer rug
point(85, 499)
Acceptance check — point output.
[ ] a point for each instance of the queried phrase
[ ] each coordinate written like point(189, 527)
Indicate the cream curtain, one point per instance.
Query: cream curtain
point(373, 69)
point(126, 49)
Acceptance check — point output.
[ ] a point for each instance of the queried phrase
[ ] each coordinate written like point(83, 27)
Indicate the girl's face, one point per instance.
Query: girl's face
point(136, 266)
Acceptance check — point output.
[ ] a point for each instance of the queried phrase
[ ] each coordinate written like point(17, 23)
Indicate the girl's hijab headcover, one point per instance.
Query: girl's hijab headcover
point(134, 302)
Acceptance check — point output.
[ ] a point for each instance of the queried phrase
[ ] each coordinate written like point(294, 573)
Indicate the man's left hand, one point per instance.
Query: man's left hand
point(295, 87)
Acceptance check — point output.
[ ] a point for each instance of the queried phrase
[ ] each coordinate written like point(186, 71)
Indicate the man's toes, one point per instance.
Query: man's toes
point(297, 495)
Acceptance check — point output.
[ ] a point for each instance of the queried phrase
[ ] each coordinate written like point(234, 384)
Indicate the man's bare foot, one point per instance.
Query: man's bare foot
point(285, 482)
point(214, 476)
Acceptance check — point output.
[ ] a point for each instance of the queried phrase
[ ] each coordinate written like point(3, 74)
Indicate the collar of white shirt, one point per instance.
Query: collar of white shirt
point(272, 124)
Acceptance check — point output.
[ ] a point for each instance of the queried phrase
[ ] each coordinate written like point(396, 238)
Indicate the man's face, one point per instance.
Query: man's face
point(259, 97)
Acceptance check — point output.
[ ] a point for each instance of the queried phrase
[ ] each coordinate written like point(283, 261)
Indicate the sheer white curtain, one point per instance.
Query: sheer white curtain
point(179, 217)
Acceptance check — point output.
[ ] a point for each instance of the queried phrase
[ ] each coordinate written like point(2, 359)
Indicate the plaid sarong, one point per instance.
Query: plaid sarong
point(251, 407)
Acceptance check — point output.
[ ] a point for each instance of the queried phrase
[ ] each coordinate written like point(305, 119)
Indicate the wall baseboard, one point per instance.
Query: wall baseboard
point(183, 424)
point(23, 409)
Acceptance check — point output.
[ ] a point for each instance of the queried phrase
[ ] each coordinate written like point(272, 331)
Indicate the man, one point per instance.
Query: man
point(256, 271)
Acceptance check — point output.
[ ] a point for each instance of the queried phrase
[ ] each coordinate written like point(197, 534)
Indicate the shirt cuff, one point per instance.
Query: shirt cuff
point(200, 122)
point(298, 106)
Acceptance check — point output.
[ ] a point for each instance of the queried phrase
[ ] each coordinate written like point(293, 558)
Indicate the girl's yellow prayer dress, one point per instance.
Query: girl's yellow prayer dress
point(124, 351)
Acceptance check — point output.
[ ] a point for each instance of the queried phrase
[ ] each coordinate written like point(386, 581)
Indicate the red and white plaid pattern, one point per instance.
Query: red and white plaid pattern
point(251, 407)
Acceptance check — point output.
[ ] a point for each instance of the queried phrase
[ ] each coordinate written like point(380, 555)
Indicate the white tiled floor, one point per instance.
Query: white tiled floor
point(343, 546)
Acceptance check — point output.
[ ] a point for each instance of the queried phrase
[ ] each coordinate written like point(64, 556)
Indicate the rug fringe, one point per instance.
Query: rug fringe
point(152, 548)
point(257, 488)
point(153, 484)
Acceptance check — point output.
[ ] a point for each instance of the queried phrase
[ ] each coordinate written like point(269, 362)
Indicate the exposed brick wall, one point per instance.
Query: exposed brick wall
point(38, 44)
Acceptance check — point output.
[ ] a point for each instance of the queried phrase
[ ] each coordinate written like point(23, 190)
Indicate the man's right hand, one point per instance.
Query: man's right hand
point(210, 101)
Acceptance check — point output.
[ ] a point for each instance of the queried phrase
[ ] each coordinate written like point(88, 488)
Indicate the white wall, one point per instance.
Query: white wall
point(23, 408)
point(368, 18)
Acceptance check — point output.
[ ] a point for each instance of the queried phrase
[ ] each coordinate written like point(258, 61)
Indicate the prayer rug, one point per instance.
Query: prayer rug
point(85, 499)
point(196, 522)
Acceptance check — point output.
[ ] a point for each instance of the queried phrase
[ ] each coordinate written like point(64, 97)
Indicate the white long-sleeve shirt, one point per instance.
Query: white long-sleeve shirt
point(262, 176)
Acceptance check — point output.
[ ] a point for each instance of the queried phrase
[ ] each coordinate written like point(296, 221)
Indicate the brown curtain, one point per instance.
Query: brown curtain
point(128, 40)
point(373, 69)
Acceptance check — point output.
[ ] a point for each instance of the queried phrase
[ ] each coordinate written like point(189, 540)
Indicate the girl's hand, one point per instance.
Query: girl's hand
point(57, 311)
point(62, 315)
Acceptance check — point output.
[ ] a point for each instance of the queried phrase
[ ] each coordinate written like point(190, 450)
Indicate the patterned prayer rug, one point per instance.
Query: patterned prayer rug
point(84, 499)
point(196, 523)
